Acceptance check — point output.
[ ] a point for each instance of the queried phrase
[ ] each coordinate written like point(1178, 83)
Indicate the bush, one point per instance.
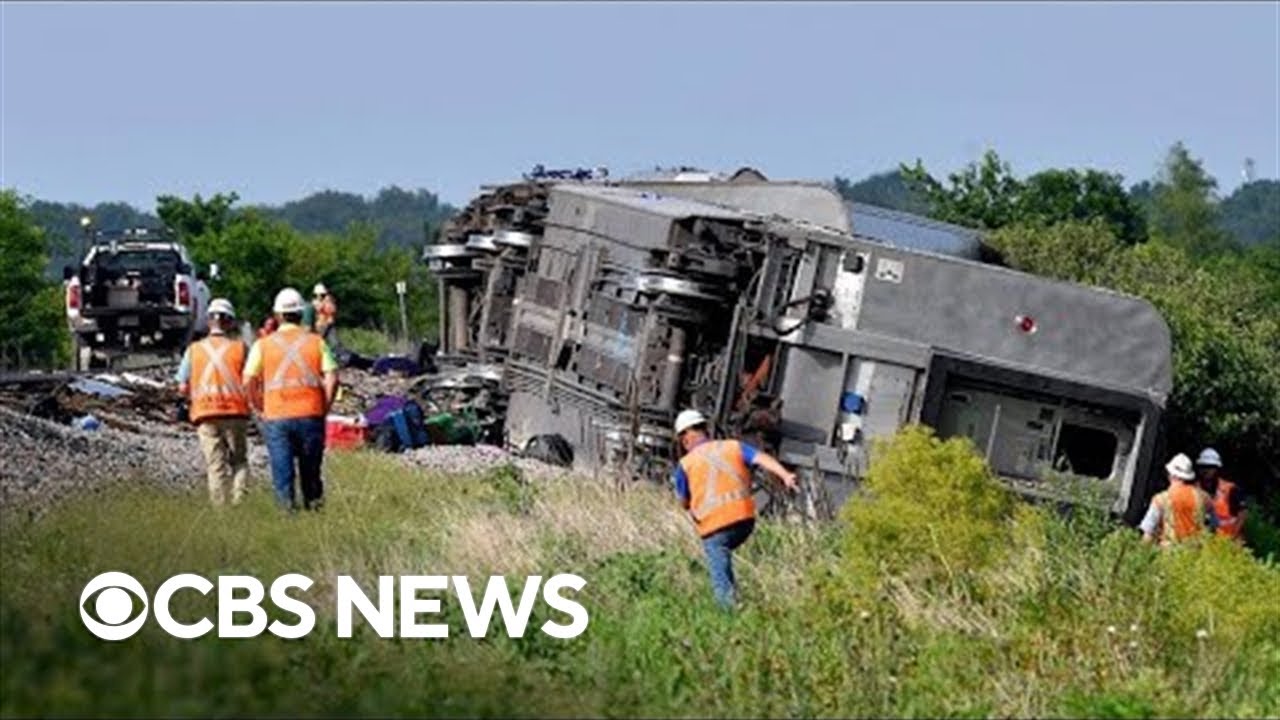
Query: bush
point(931, 506)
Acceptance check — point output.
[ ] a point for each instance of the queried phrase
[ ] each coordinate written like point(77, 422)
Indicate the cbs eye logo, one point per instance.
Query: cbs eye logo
point(109, 594)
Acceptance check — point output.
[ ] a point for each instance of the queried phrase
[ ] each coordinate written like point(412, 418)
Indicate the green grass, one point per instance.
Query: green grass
point(367, 342)
point(1025, 614)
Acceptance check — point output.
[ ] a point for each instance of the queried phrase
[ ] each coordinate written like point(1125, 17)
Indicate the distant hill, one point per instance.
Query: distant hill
point(404, 218)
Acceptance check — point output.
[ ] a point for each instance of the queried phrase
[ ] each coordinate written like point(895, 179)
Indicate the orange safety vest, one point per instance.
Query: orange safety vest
point(1182, 512)
point(216, 390)
point(1228, 525)
point(719, 485)
point(293, 381)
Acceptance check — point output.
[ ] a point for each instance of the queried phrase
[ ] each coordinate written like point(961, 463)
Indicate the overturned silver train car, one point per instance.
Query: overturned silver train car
point(609, 306)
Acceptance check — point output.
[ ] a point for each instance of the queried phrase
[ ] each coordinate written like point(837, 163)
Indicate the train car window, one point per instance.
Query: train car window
point(1086, 450)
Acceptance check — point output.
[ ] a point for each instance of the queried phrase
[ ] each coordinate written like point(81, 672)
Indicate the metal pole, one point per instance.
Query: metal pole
point(991, 439)
point(401, 288)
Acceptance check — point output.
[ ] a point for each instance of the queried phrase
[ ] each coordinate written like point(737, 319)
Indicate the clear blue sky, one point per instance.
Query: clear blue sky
point(124, 101)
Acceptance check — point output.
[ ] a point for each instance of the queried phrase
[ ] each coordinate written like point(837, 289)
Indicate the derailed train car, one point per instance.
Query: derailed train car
point(609, 306)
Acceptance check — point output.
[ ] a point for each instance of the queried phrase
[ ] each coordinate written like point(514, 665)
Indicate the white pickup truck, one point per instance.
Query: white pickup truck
point(136, 291)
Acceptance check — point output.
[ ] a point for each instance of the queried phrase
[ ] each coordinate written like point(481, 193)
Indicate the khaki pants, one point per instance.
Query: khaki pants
point(226, 454)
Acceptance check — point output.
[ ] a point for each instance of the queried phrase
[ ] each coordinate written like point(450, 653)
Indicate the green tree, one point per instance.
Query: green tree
point(1251, 214)
point(1184, 210)
point(1054, 196)
point(987, 195)
point(363, 276)
point(196, 217)
point(1076, 251)
point(32, 330)
point(983, 195)
point(253, 254)
point(258, 255)
point(886, 190)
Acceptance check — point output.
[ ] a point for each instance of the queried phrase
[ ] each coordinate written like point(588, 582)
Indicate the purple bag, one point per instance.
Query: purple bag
point(395, 364)
point(383, 407)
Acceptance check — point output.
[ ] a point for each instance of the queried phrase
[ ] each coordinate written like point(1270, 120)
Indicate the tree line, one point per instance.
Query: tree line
point(398, 217)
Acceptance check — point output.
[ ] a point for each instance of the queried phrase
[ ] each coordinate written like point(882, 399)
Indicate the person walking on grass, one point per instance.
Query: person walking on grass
point(713, 483)
point(210, 377)
point(293, 380)
point(1182, 512)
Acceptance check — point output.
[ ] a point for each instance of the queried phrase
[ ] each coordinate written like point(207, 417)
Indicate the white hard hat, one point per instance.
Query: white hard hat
point(1209, 458)
point(1180, 467)
point(222, 306)
point(687, 419)
point(319, 289)
point(288, 300)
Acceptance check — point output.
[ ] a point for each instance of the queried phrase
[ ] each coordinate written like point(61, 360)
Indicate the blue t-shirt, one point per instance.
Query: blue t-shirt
point(681, 481)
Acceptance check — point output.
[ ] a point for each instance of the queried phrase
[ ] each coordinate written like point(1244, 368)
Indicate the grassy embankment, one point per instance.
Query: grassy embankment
point(939, 597)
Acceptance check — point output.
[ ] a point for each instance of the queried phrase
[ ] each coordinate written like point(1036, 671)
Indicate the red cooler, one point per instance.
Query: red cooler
point(344, 433)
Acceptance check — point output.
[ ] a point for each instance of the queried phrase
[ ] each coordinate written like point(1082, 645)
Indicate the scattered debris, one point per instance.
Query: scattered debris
point(68, 432)
point(472, 395)
point(550, 449)
point(93, 386)
point(396, 365)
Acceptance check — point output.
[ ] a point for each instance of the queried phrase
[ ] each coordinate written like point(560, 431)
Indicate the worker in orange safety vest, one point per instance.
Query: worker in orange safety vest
point(713, 483)
point(1228, 503)
point(293, 379)
point(1183, 511)
point(210, 377)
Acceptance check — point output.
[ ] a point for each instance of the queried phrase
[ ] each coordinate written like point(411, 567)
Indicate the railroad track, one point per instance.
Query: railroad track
point(59, 376)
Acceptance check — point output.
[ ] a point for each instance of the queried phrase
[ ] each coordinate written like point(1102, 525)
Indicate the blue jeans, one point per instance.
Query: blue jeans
point(719, 546)
point(300, 439)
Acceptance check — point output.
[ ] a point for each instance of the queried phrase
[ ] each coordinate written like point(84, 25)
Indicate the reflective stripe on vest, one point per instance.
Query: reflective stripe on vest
point(1177, 526)
point(292, 359)
point(217, 390)
point(293, 387)
point(719, 484)
point(1228, 525)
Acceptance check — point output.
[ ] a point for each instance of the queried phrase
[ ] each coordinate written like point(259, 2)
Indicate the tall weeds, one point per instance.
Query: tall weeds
point(935, 594)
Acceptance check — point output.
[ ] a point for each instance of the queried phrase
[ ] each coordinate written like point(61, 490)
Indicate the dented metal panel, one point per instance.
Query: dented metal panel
point(1078, 332)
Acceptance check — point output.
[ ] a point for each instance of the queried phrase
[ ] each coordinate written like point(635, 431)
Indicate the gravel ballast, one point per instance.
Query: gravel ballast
point(474, 459)
point(42, 462)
